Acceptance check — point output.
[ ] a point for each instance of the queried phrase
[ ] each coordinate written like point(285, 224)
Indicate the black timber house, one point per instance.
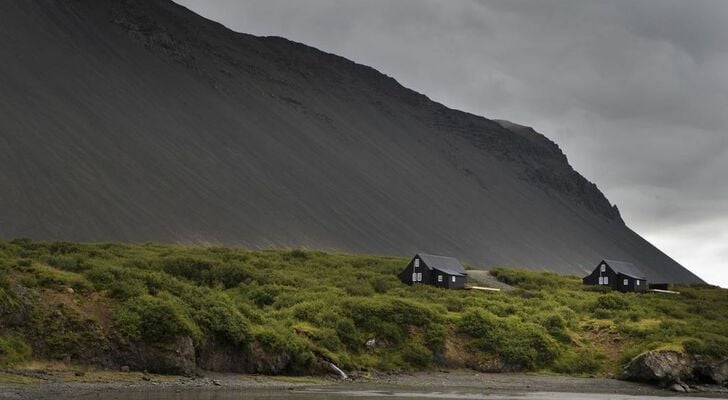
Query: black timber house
point(619, 275)
point(439, 271)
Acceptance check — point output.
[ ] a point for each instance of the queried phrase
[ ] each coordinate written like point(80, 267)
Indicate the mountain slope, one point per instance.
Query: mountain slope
point(141, 121)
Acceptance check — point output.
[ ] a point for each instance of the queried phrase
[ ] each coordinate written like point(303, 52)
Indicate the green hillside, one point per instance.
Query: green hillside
point(170, 309)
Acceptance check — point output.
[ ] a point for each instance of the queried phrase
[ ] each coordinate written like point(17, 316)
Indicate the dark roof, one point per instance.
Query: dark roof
point(625, 268)
point(448, 265)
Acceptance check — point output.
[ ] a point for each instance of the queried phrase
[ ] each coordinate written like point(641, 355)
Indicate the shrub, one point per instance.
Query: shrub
point(121, 283)
point(521, 343)
point(417, 355)
point(13, 350)
point(582, 362)
point(61, 332)
point(708, 345)
point(220, 318)
point(189, 268)
point(281, 340)
point(481, 325)
point(265, 295)
point(52, 278)
point(533, 280)
point(155, 319)
point(348, 334)
point(610, 301)
point(68, 263)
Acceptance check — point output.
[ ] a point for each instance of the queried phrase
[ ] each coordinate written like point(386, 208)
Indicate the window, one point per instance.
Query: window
point(626, 282)
point(601, 280)
point(439, 278)
point(419, 277)
point(638, 282)
point(414, 277)
point(453, 279)
point(604, 268)
point(606, 280)
point(417, 262)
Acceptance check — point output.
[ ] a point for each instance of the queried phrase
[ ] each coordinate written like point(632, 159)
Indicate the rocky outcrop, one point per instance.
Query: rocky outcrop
point(176, 357)
point(252, 360)
point(716, 372)
point(674, 369)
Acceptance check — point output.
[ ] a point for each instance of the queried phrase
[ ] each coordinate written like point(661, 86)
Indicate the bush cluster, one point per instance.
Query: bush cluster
point(304, 305)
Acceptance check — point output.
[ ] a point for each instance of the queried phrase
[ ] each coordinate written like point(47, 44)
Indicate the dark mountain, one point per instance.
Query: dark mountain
point(138, 120)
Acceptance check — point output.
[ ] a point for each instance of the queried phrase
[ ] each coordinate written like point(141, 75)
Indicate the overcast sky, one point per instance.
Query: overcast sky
point(635, 92)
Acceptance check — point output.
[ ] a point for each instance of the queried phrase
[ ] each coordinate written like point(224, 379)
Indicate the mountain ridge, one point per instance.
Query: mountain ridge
point(265, 142)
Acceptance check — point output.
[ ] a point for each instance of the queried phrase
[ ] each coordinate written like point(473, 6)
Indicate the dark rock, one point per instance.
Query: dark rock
point(718, 372)
point(253, 359)
point(678, 387)
point(223, 358)
point(663, 367)
point(668, 368)
point(493, 365)
point(124, 368)
point(176, 358)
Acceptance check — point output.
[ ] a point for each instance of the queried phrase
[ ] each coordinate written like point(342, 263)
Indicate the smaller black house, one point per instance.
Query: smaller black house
point(619, 275)
point(440, 271)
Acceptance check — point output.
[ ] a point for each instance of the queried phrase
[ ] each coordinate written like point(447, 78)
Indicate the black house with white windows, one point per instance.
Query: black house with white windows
point(619, 275)
point(440, 271)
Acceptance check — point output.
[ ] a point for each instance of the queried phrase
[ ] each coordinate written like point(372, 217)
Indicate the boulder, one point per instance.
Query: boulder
point(668, 367)
point(663, 367)
point(679, 387)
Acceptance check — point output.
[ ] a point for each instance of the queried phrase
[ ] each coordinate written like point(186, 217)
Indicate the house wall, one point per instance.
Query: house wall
point(593, 278)
point(615, 281)
point(428, 277)
point(447, 281)
point(459, 282)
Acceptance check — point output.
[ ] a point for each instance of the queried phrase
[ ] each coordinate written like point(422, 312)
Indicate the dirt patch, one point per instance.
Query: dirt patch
point(605, 337)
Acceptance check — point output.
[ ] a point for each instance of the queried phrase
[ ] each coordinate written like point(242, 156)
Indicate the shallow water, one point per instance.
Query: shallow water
point(331, 394)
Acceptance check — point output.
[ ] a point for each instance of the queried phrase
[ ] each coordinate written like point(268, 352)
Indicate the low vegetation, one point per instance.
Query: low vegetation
point(83, 303)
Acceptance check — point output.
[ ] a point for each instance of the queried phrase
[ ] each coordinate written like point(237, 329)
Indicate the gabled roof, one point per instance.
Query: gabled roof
point(625, 268)
point(448, 265)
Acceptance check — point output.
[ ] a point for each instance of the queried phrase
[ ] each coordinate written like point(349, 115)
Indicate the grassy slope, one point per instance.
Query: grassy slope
point(310, 305)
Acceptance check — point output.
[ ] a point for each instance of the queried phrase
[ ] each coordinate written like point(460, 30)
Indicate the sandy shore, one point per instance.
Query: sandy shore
point(59, 386)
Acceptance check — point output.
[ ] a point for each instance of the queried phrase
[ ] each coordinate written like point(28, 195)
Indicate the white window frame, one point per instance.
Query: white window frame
point(453, 279)
point(638, 282)
point(606, 280)
point(419, 277)
point(417, 262)
point(626, 282)
point(604, 268)
point(414, 277)
point(439, 278)
point(601, 280)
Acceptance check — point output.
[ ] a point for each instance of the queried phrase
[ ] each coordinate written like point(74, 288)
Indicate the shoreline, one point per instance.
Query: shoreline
point(63, 385)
